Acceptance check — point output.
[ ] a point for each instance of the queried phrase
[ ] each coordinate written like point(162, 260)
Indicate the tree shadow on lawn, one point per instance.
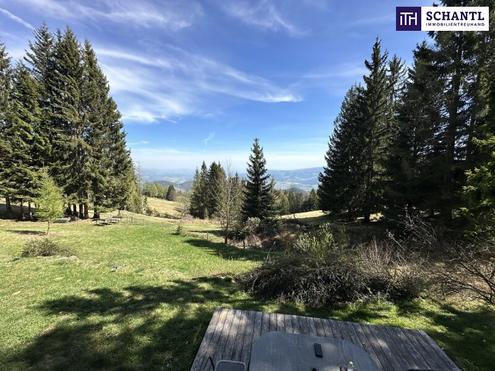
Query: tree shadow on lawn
point(129, 329)
point(228, 251)
point(27, 232)
point(469, 335)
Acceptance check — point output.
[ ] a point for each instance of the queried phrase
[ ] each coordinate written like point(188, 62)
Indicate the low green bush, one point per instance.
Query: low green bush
point(44, 247)
point(318, 270)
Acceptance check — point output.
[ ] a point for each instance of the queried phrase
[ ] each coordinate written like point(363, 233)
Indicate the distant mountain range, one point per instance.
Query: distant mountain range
point(304, 179)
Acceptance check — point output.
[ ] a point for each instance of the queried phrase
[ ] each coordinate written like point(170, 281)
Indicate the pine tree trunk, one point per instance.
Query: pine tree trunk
point(30, 211)
point(22, 209)
point(367, 216)
point(74, 210)
point(8, 206)
point(450, 139)
point(86, 211)
point(81, 211)
point(96, 212)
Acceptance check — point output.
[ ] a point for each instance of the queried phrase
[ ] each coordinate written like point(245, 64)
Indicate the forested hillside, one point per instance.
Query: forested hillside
point(56, 114)
point(418, 140)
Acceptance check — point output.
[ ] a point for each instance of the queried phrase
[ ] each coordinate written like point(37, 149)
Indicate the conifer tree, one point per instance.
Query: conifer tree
point(415, 154)
point(5, 98)
point(339, 190)
point(258, 196)
point(171, 193)
point(21, 132)
point(96, 106)
point(376, 121)
point(40, 61)
point(199, 195)
point(214, 183)
point(229, 211)
point(479, 190)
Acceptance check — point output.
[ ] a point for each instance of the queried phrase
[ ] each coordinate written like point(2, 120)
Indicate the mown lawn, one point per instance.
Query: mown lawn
point(138, 296)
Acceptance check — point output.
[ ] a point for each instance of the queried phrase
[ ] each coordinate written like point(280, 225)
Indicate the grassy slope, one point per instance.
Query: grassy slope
point(170, 208)
point(140, 297)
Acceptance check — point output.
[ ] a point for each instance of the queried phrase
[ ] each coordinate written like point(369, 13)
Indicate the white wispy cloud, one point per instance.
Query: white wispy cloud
point(170, 14)
point(178, 83)
point(138, 143)
point(17, 19)
point(262, 14)
point(210, 136)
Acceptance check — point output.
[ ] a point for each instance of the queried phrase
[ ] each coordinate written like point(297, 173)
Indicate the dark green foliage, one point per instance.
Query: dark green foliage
point(214, 184)
point(340, 188)
point(294, 200)
point(60, 116)
point(24, 144)
point(155, 189)
point(414, 164)
point(207, 188)
point(199, 193)
point(171, 193)
point(421, 145)
point(258, 196)
point(5, 97)
point(44, 247)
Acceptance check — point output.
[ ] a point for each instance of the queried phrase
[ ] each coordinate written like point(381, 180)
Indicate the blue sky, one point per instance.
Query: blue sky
point(199, 80)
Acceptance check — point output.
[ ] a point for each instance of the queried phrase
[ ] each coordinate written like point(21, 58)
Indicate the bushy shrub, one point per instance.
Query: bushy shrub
point(471, 271)
point(44, 247)
point(318, 270)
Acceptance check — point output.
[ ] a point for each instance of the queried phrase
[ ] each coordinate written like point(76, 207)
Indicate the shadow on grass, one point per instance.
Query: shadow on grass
point(228, 251)
point(468, 335)
point(27, 232)
point(139, 327)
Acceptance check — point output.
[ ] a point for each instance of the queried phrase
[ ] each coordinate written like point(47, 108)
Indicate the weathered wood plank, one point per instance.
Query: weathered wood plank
point(248, 337)
point(363, 341)
point(231, 334)
point(212, 347)
point(203, 347)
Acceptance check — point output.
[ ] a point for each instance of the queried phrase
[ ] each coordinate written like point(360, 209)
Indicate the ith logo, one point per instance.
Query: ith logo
point(408, 18)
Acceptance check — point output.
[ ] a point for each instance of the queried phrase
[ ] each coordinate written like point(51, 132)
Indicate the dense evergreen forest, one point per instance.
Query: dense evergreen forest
point(57, 115)
point(418, 140)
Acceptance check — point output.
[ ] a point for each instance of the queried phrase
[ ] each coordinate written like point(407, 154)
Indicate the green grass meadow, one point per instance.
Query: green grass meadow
point(138, 296)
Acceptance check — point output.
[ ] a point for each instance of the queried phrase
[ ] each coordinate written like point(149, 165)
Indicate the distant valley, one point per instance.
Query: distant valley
point(304, 179)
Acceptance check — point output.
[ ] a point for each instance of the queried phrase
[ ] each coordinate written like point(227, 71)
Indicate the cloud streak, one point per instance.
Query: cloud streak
point(16, 19)
point(171, 14)
point(261, 14)
point(178, 83)
point(208, 138)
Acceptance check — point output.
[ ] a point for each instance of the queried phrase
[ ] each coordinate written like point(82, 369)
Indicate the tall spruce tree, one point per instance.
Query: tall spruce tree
point(199, 195)
point(171, 193)
point(5, 103)
point(340, 183)
point(479, 191)
point(258, 196)
point(414, 163)
point(376, 121)
point(96, 106)
point(21, 132)
point(454, 62)
point(215, 182)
